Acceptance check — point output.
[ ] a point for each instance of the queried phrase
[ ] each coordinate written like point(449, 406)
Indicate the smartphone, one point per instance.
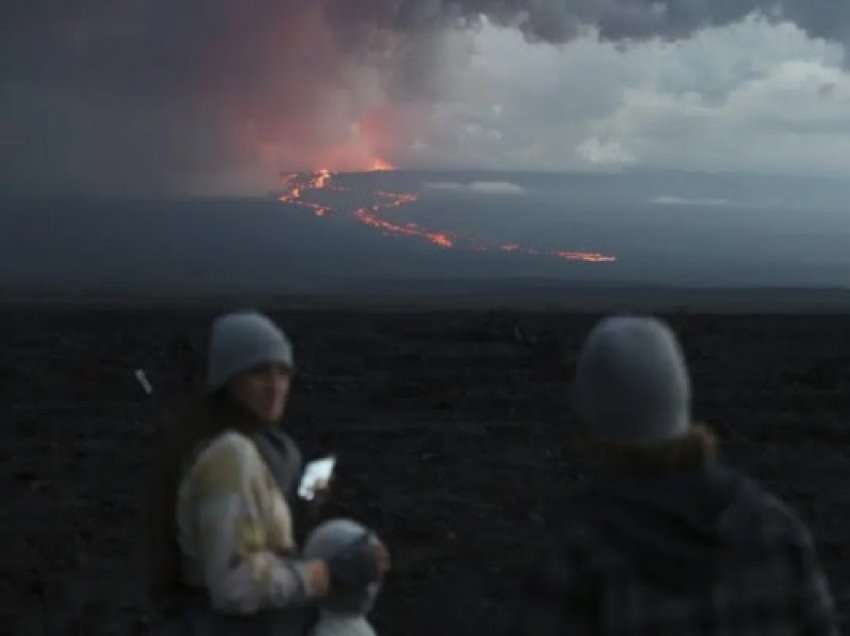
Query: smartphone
point(316, 473)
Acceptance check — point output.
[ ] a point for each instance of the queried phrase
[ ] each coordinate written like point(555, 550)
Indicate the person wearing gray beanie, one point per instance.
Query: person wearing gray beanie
point(344, 611)
point(662, 537)
point(631, 382)
point(242, 340)
point(227, 556)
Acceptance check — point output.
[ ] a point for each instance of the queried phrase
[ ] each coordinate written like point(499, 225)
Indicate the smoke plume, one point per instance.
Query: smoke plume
point(216, 95)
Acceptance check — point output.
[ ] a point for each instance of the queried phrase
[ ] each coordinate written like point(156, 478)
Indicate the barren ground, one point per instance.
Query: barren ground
point(446, 425)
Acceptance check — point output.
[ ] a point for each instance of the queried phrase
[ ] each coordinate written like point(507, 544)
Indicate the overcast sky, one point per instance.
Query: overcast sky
point(750, 96)
point(219, 98)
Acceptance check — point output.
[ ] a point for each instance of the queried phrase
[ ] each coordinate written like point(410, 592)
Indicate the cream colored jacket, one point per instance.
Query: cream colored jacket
point(235, 530)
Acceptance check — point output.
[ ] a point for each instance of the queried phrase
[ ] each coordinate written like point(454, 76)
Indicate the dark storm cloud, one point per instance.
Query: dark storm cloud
point(561, 20)
point(132, 94)
point(131, 47)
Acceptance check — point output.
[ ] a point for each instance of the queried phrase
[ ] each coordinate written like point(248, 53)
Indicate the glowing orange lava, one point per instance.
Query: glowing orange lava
point(379, 165)
point(589, 257)
point(296, 185)
point(371, 218)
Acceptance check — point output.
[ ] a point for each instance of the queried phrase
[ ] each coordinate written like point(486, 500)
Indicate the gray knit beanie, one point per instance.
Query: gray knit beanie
point(327, 540)
point(632, 382)
point(242, 340)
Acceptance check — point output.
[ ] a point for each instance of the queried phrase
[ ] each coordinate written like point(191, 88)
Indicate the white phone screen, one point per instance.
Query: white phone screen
point(315, 473)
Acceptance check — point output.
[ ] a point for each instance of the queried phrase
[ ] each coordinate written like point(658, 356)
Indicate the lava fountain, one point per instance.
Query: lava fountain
point(379, 165)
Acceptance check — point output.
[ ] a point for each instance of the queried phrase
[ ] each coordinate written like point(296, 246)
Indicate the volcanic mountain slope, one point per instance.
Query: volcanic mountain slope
point(446, 425)
point(302, 190)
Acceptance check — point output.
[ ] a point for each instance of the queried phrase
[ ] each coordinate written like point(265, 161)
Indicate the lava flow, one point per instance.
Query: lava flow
point(370, 217)
point(296, 185)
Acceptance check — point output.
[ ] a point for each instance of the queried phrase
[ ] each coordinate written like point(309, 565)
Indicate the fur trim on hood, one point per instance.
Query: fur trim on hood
point(692, 452)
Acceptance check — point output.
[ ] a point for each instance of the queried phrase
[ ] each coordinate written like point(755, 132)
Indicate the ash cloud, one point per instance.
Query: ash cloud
point(207, 95)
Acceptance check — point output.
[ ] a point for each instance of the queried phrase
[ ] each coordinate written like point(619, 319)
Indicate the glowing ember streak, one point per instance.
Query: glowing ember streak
point(299, 184)
point(410, 229)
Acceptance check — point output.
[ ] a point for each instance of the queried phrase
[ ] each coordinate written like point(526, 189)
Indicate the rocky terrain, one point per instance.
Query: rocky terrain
point(446, 425)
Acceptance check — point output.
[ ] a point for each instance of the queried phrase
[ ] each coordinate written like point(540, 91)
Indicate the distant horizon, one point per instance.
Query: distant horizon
point(636, 171)
point(498, 296)
point(678, 229)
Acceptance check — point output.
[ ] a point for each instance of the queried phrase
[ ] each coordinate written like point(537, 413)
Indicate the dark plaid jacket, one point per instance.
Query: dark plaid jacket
point(709, 553)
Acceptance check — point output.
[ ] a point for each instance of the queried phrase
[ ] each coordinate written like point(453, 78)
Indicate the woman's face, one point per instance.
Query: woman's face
point(263, 390)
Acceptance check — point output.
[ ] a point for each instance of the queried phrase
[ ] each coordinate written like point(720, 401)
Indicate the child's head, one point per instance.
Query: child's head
point(327, 540)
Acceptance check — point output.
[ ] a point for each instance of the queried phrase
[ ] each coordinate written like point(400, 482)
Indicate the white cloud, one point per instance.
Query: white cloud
point(605, 153)
point(502, 188)
point(751, 97)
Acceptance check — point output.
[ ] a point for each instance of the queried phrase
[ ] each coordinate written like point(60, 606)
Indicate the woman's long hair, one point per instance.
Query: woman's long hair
point(180, 435)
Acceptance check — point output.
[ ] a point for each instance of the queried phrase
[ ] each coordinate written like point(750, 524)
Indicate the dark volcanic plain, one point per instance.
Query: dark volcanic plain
point(446, 424)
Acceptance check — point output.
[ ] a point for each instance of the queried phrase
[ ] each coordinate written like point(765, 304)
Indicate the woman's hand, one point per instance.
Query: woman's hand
point(361, 564)
point(318, 577)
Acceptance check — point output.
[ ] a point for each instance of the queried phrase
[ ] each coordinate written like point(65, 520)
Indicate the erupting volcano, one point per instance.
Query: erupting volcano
point(379, 165)
point(297, 185)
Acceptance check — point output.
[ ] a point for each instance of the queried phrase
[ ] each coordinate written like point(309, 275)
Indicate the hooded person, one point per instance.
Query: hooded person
point(344, 611)
point(223, 555)
point(663, 538)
